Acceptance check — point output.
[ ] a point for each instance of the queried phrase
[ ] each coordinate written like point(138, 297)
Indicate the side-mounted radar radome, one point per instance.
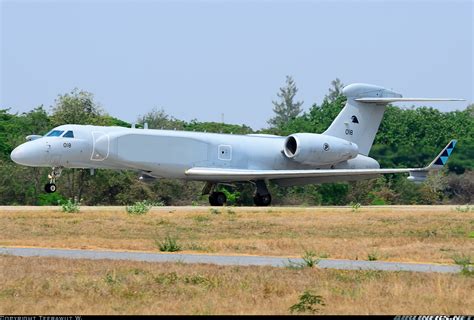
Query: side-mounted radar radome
point(317, 149)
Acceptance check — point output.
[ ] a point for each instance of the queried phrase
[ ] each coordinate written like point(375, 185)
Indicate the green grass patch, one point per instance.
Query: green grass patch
point(170, 244)
point(70, 206)
point(373, 256)
point(141, 207)
point(465, 262)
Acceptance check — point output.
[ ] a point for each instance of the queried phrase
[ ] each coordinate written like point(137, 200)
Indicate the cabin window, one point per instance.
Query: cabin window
point(55, 133)
point(69, 134)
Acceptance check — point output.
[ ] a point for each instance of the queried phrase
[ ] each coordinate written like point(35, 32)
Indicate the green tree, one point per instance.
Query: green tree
point(77, 107)
point(217, 127)
point(335, 91)
point(159, 119)
point(286, 109)
point(19, 184)
point(406, 138)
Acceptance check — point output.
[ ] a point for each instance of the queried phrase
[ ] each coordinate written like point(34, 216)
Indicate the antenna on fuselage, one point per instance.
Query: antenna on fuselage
point(133, 125)
point(145, 125)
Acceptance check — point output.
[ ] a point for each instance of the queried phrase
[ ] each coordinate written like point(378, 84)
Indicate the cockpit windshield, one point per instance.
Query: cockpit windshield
point(55, 133)
point(69, 134)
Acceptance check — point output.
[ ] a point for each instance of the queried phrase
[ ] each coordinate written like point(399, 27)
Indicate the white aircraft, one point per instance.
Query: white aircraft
point(338, 154)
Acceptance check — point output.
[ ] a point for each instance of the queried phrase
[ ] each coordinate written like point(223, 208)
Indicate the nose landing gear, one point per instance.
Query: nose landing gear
point(51, 186)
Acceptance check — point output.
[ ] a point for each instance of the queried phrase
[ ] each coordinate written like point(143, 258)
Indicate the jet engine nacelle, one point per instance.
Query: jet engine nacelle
point(317, 149)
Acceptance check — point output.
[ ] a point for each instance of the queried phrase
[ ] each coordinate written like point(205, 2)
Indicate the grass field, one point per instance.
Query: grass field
point(62, 286)
point(405, 233)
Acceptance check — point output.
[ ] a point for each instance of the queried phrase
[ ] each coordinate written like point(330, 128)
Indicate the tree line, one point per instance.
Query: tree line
point(407, 137)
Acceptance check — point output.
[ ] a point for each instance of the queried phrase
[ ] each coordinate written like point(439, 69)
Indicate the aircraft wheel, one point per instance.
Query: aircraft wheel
point(50, 188)
point(217, 199)
point(262, 200)
point(212, 200)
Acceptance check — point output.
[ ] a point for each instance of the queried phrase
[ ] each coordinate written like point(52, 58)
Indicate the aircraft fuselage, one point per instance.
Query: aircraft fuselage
point(169, 153)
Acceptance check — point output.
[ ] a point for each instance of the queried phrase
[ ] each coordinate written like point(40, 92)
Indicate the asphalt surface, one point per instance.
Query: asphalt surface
point(236, 260)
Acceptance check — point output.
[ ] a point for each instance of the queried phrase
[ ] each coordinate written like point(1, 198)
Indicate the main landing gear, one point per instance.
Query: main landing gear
point(51, 186)
point(216, 198)
point(262, 197)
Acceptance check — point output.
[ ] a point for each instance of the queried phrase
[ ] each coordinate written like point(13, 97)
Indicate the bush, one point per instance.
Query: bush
point(378, 202)
point(355, 206)
point(308, 302)
point(70, 206)
point(169, 245)
point(50, 199)
point(310, 258)
point(373, 256)
point(141, 207)
point(465, 262)
point(232, 196)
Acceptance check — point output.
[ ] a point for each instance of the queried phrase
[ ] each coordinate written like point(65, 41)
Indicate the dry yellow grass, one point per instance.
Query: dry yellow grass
point(63, 286)
point(406, 233)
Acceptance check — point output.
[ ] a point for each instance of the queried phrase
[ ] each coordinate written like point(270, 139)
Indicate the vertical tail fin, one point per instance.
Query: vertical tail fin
point(359, 121)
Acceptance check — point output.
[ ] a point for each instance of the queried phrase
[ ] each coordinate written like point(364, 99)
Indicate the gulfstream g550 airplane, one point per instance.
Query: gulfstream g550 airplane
point(338, 154)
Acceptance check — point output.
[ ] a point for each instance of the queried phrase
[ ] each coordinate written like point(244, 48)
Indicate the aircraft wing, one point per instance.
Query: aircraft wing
point(223, 174)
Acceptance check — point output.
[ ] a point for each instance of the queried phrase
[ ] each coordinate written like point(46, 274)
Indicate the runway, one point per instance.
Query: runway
point(235, 260)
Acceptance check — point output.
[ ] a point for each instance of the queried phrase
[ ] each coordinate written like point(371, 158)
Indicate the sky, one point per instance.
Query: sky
point(206, 60)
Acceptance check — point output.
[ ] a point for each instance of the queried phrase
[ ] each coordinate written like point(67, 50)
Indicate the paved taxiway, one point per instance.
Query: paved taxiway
point(238, 260)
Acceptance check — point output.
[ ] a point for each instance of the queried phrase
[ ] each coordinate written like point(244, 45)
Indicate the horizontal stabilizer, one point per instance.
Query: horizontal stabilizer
point(388, 100)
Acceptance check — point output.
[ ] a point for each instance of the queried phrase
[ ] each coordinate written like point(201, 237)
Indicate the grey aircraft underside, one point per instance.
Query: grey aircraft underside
point(338, 154)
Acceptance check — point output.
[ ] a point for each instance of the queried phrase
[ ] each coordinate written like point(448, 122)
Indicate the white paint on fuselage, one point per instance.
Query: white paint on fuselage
point(165, 153)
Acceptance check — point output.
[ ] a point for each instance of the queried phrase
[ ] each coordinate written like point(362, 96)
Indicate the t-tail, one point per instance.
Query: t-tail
point(360, 118)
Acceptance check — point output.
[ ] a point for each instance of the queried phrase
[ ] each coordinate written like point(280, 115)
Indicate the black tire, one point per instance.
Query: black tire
point(217, 199)
point(212, 199)
point(50, 188)
point(262, 200)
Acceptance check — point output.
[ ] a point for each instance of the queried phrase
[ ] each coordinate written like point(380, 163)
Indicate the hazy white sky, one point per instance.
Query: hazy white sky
point(199, 59)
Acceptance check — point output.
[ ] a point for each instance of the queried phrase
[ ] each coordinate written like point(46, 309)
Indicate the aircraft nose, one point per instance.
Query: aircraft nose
point(27, 154)
point(17, 154)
